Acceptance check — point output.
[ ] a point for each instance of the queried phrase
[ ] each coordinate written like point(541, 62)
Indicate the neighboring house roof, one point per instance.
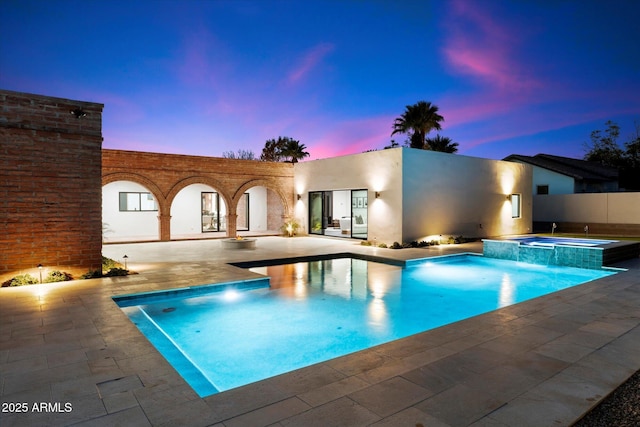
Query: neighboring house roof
point(575, 168)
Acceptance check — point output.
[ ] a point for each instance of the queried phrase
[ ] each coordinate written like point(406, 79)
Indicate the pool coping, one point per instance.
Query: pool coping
point(545, 361)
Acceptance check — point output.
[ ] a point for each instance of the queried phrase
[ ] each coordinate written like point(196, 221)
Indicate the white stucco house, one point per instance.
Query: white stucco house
point(404, 194)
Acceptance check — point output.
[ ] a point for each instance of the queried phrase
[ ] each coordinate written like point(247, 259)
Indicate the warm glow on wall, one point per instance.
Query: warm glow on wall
point(507, 182)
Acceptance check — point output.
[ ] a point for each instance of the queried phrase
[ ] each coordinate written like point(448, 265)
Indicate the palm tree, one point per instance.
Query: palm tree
point(272, 151)
point(443, 144)
point(294, 150)
point(418, 120)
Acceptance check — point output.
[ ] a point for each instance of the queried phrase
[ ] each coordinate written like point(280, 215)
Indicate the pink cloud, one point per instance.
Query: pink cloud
point(481, 47)
point(309, 61)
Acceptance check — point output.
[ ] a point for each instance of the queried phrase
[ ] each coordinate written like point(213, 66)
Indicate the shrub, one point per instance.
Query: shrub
point(116, 271)
point(365, 243)
point(57, 276)
point(382, 245)
point(396, 245)
point(20, 280)
point(290, 227)
point(108, 264)
point(93, 274)
point(434, 243)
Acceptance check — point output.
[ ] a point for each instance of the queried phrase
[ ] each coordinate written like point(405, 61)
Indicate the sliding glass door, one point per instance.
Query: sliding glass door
point(339, 213)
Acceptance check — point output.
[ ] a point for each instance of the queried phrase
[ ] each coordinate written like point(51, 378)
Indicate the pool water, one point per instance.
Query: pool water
point(319, 310)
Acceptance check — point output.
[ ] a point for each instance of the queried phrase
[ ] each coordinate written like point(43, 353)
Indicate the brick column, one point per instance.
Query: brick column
point(164, 222)
point(232, 221)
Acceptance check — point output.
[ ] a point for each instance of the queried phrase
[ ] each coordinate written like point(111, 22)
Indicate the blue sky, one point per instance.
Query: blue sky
point(204, 77)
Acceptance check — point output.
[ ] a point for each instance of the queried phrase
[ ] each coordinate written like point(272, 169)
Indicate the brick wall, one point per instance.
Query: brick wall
point(165, 175)
point(50, 185)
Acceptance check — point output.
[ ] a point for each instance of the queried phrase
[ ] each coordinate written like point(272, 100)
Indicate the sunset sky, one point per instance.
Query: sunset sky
point(204, 77)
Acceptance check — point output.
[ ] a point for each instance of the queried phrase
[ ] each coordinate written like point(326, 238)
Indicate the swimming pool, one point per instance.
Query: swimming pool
point(227, 336)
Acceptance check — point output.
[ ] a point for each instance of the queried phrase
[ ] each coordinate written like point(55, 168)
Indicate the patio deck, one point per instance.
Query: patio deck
point(542, 362)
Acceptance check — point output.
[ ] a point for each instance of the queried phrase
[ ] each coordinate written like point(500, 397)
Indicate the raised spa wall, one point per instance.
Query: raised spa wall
point(566, 256)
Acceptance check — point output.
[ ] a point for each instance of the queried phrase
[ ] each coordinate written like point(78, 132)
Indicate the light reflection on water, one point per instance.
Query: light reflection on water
point(315, 311)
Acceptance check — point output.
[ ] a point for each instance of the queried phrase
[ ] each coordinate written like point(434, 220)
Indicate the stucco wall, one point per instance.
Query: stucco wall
point(376, 171)
point(589, 208)
point(451, 195)
point(424, 193)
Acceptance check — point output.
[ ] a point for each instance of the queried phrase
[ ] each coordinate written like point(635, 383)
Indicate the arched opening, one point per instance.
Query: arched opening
point(197, 211)
point(129, 212)
point(260, 211)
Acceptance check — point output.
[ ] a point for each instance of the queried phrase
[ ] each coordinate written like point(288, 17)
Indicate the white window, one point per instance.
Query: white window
point(132, 202)
point(515, 205)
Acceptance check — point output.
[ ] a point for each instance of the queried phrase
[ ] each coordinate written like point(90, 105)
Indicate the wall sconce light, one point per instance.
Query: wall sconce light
point(377, 194)
point(509, 197)
point(40, 269)
point(78, 112)
point(299, 196)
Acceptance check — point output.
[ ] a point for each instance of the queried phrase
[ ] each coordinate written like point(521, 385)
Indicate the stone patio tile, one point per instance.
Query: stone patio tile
point(75, 387)
point(391, 396)
point(596, 368)
point(269, 414)
point(42, 349)
point(610, 327)
point(120, 401)
point(174, 407)
point(35, 379)
point(333, 391)
point(119, 385)
point(428, 356)
point(536, 365)
point(133, 417)
point(308, 378)
point(565, 351)
point(587, 339)
point(410, 417)
point(460, 405)
point(65, 357)
point(24, 365)
point(343, 412)
point(240, 400)
point(39, 394)
point(84, 407)
point(351, 365)
point(524, 411)
point(503, 382)
point(556, 324)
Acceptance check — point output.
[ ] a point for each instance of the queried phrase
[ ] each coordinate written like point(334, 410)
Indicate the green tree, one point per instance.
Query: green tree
point(272, 151)
point(294, 151)
point(443, 144)
point(417, 121)
point(283, 149)
point(604, 147)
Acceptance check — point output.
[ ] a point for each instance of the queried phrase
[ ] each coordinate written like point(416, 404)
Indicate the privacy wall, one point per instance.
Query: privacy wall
point(602, 213)
point(50, 184)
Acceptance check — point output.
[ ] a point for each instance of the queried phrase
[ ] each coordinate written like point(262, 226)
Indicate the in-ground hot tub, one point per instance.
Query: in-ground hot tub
point(563, 251)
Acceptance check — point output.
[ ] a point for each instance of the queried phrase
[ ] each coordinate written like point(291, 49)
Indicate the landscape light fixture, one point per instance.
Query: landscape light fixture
point(125, 257)
point(40, 269)
point(78, 112)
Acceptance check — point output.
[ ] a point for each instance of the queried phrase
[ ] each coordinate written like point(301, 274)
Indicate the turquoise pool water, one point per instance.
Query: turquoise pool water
point(222, 337)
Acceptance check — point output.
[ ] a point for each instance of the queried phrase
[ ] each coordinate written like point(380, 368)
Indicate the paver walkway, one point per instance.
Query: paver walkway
point(69, 356)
